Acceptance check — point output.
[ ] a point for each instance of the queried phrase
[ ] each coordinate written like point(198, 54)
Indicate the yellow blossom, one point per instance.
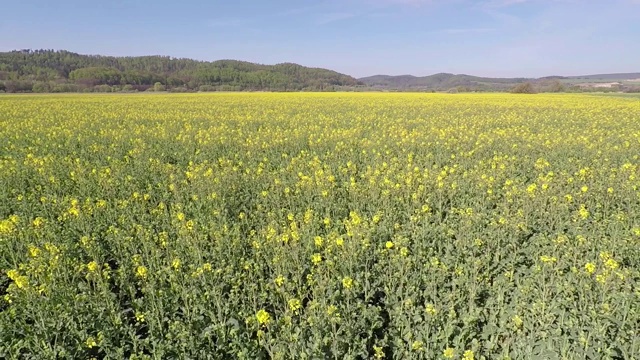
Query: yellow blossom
point(294, 305)
point(347, 282)
point(263, 317)
point(93, 266)
point(590, 267)
point(430, 309)
point(141, 272)
point(449, 353)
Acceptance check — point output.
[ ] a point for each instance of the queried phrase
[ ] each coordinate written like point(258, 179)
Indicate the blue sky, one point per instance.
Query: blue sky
point(358, 37)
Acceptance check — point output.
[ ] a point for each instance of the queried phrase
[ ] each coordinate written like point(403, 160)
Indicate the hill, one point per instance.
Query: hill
point(48, 70)
point(440, 82)
point(621, 76)
point(447, 82)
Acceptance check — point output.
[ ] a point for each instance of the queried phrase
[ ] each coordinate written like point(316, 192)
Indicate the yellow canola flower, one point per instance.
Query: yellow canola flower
point(141, 272)
point(430, 309)
point(468, 355)
point(21, 281)
point(347, 282)
point(6, 226)
point(590, 268)
point(263, 317)
point(449, 353)
point(294, 305)
point(93, 266)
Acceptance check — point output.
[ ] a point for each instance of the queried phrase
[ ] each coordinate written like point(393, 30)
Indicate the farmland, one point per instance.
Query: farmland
point(311, 226)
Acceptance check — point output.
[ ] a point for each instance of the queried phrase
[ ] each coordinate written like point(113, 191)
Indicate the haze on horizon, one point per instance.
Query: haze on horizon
point(499, 38)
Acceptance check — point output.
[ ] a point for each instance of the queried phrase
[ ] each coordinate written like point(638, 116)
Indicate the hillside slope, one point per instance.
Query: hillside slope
point(46, 69)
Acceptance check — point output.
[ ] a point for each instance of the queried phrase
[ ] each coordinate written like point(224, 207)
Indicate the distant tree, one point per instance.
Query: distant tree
point(158, 87)
point(557, 87)
point(524, 88)
point(204, 88)
point(41, 87)
point(102, 88)
point(17, 86)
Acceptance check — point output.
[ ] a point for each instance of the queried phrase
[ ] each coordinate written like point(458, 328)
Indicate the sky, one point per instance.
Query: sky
point(501, 38)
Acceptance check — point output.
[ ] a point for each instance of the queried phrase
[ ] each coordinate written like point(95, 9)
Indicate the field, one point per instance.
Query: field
point(313, 226)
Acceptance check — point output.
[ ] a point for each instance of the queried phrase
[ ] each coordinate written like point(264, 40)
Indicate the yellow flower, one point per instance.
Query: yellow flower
point(295, 305)
point(263, 317)
point(34, 251)
point(531, 189)
point(430, 309)
point(139, 317)
point(91, 342)
point(6, 227)
point(93, 266)
point(141, 272)
point(189, 225)
point(548, 259)
point(417, 345)
point(279, 280)
point(38, 222)
point(376, 218)
point(379, 352)
point(355, 218)
point(74, 211)
point(611, 264)
point(517, 321)
point(318, 241)
point(468, 355)
point(316, 259)
point(175, 264)
point(583, 212)
point(347, 282)
point(449, 353)
point(21, 281)
point(389, 244)
point(590, 267)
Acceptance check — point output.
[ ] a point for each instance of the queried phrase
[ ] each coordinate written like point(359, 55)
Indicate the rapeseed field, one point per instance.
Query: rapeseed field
point(317, 226)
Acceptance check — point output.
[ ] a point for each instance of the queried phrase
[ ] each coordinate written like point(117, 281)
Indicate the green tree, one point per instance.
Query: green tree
point(524, 88)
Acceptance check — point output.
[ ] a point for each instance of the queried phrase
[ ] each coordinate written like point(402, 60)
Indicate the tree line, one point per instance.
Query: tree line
point(64, 71)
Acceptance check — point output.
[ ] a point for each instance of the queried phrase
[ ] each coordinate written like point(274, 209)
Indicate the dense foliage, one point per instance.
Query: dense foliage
point(61, 71)
point(293, 226)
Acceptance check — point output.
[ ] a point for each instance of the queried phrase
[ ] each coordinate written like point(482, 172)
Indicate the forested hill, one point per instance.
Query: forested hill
point(62, 71)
